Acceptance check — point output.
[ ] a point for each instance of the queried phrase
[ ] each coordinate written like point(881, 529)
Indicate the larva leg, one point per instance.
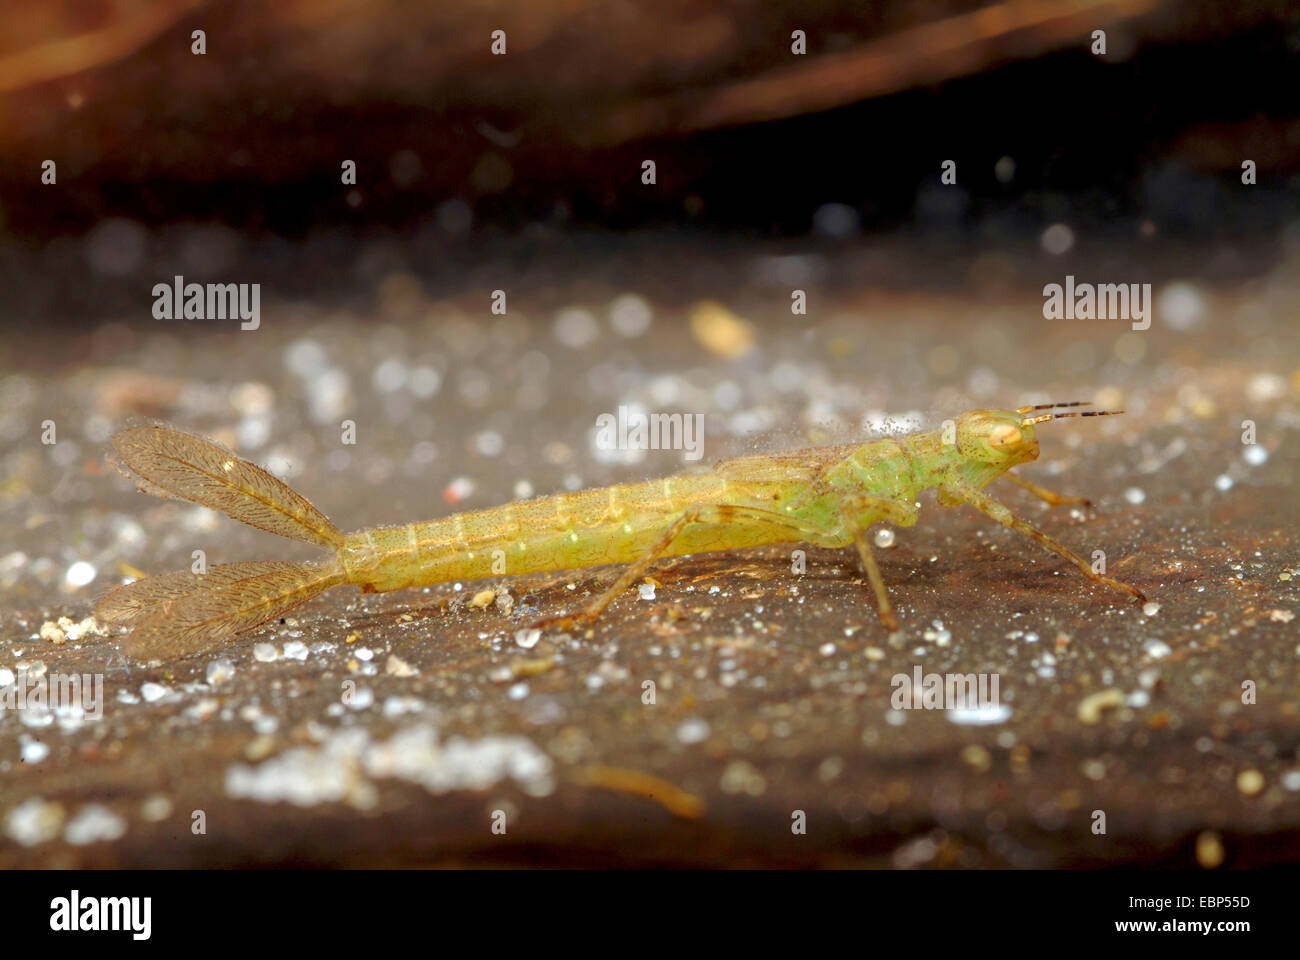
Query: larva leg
point(983, 502)
point(711, 514)
point(1042, 493)
point(858, 513)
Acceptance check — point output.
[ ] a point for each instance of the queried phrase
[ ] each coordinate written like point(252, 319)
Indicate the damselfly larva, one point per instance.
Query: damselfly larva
point(827, 496)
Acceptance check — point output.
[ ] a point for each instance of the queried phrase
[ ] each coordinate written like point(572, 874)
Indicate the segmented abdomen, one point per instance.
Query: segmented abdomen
point(609, 525)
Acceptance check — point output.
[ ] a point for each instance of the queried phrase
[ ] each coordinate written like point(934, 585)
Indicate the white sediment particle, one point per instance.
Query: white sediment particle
point(156, 807)
point(202, 708)
point(460, 488)
point(1181, 306)
point(980, 716)
point(396, 706)
point(80, 574)
point(337, 769)
point(489, 443)
point(1255, 455)
point(1057, 239)
point(13, 564)
point(630, 315)
point(75, 631)
point(36, 716)
point(265, 653)
point(219, 671)
point(424, 381)
point(415, 754)
point(1156, 649)
point(389, 376)
point(937, 634)
point(295, 650)
point(329, 395)
point(528, 638)
point(252, 433)
point(34, 751)
point(94, 823)
point(34, 821)
point(153, 692)
point(305, 357)
point(693, 730)
point(397, 667)
point(576, 327)
point(304, 776)
point(1263, 387)
point(252, 398)
point(741, 776)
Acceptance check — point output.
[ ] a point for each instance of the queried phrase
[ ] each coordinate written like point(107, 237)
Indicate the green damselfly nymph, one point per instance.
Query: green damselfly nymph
point(826, 496)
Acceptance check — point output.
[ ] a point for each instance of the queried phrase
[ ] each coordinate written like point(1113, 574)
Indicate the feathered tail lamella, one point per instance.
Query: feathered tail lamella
point(180, 614)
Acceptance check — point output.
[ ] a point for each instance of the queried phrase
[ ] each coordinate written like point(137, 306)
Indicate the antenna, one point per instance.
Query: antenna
point(1061, 416)
point(1053, 406)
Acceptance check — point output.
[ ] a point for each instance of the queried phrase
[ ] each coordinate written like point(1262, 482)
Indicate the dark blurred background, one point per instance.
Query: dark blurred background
point(232, 159)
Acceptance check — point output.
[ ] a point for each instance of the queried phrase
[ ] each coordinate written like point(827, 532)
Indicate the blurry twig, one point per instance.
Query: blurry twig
point(70, 55)
point(926, 53)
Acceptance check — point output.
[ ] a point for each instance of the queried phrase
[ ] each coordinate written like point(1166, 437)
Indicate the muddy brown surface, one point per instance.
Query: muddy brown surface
point(399, 729)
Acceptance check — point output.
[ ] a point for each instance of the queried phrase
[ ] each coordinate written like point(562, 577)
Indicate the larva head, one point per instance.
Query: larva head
point(1002, 437)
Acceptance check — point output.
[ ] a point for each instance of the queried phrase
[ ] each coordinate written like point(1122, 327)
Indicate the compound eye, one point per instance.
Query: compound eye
point(1004, 435)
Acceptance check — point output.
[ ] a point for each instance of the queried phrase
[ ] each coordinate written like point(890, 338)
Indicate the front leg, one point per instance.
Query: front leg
point(1042, 493)
point(858, 513)
point(983, 502)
